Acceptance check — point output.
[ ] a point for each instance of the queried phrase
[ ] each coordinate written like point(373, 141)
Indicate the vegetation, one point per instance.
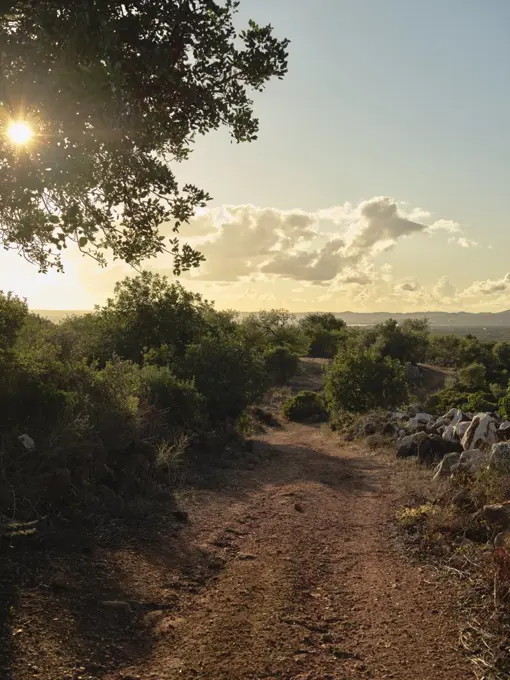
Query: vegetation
point(102, 395)
point(305, 406)
point(359, 380)
point(113, 91)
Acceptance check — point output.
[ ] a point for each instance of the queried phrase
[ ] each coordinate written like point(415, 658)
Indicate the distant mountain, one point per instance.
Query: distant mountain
point(440, 319)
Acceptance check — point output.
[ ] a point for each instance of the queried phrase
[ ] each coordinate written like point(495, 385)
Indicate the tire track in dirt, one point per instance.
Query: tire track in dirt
point(308, 583)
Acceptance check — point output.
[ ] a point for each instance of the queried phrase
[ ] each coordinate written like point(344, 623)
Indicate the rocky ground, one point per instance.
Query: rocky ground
point(290, 570)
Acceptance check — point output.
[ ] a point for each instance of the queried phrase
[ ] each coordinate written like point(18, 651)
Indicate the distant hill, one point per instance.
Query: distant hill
point(437, 319)
point(441, 319)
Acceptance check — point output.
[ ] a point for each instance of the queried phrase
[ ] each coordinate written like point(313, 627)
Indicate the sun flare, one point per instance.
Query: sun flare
point(19, 132)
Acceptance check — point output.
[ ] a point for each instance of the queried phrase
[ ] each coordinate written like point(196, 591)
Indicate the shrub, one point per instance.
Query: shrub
point(13, 312)
point(281, 364)
point(480, 401)
point(183, 406)
point(305, 406)
point(226, 373)
point(358, 381)
point(504, 405)
point(474, 376)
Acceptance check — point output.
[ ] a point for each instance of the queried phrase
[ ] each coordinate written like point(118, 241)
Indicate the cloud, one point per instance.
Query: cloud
point(247, 242)
point(317, 265)
point(444, 289)
point(407, 287)
point(381, 223)
point(463, 242)
point(445, 225)
point(487, 287)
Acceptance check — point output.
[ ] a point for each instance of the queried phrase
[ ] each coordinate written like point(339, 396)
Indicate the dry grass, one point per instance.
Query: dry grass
point(441, 521)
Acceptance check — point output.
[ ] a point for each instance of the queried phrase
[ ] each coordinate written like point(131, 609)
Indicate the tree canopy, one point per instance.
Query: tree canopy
point(115, 91)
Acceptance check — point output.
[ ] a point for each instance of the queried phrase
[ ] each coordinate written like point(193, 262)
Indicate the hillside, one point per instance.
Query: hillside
point(437, 319)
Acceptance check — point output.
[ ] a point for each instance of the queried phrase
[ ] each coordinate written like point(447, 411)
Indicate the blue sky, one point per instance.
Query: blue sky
point(402, 99)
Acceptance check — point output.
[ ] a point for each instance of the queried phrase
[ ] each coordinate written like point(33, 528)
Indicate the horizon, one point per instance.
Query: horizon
point(380, 185)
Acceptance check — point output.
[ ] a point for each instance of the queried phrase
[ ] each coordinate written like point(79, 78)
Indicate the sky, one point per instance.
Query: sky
point(380, 179)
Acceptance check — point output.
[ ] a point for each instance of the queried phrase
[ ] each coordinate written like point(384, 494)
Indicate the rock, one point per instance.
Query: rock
point(26, 442)
point(481, 433)
point(298, 507)
point(420, 420)
point(461, 428)
point(472, 461)
point(499, 458)
point(503, 432)
point(442, 421)
point(408, 446)
point(388, 429)
point(498, 515)
point(402, 433)
point(445, 466)
point(433, 448)
point(401, 415)
point(458, 417)
point(450, 433)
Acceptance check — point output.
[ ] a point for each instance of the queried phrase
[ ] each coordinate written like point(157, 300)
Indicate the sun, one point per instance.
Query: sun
point(19, 132)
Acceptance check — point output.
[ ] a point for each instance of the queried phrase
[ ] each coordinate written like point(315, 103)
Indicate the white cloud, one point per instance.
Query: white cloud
point(487, 287)
point(241, 242)
point(444, 289)
point(445, 225)
point(463, 242)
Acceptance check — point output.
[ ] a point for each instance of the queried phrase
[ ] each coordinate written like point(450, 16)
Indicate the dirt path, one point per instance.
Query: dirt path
point(294, 575)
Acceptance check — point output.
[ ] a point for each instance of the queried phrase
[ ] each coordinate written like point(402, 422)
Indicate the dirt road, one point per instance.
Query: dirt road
point(294, 574)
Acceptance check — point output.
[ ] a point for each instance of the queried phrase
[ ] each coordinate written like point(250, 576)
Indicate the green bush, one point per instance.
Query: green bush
point(504, 405)
point(183, 406)
point(226, 374)
point(359, 381)
point(281, 364)
point(480, 401)
point(474, 376)
point(305, 406)
point(13, 312)
point(325, 333)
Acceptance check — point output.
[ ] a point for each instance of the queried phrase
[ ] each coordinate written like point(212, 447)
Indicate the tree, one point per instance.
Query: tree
point(325, 320)
point(407, 342)
point(148, 312)
point(114, 91)
point(274, 328)
point(325, 332)
point(359, 380)
point(13, 312)
point(501, 352)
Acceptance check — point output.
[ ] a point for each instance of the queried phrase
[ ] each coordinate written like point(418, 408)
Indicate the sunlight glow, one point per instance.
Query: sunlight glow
point(19, 132)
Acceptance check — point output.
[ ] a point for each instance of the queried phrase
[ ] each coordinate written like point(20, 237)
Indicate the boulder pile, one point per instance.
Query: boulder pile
point(454, 442)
